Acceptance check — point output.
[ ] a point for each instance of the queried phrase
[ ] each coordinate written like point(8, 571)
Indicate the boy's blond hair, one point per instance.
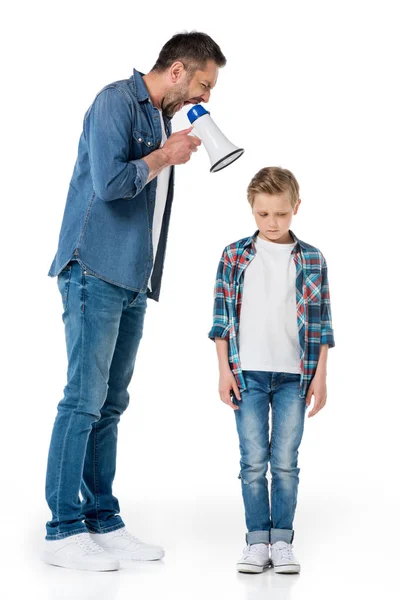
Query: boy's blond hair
point(274, 180)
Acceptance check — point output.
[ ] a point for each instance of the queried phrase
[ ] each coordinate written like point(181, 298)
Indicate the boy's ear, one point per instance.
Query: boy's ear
point(297, 207)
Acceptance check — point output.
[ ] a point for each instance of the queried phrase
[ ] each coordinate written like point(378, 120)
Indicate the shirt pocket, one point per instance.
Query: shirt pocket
point(312, 286)
point(143, 143)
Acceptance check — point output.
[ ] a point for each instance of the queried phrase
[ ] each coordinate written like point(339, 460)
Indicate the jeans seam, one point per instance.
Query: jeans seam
point(271, 450)
point(61, 536)
point(64, 442)
point(96, 493)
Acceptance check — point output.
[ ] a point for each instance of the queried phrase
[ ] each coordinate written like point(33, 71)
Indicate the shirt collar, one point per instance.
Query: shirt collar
point(140, 87)
point(142, 93)
point(251, 240)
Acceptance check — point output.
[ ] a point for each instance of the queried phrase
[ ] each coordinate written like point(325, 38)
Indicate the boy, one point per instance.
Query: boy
point(272, 328)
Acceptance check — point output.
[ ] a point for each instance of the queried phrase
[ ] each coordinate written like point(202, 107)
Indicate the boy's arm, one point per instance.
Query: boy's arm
point(318, 386)
point(322, 361)
point(220, 326)
point(326, 317)
point(220, 334)
point(227, 381)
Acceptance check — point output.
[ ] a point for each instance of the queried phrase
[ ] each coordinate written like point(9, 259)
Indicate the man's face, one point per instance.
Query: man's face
point(184, 91)
point(273, 214)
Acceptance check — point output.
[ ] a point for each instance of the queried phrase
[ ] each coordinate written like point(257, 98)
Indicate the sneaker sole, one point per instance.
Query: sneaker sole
point(246, 568)
point(59, 561)
point(289, 569)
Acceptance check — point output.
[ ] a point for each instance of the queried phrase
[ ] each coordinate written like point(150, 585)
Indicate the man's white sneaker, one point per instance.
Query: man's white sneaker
point(283, 558)
point(255, 559)
point(122, 544)
point(78, 552)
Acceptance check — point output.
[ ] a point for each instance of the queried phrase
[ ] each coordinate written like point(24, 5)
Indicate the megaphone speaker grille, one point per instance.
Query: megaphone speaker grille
point(227, 160)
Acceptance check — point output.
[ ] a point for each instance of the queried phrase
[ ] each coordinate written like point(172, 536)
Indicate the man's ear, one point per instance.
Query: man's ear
point(176, 71)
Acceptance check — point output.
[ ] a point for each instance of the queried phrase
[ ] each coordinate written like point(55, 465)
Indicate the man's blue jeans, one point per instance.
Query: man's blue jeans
point(270, 522)
point(103, 328)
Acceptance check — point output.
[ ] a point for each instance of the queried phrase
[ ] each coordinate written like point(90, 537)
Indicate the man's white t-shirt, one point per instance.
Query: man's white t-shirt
point(268, 331)
point(161, 199)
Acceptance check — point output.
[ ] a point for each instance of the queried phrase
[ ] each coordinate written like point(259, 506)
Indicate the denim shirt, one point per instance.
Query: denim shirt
point(107, 223)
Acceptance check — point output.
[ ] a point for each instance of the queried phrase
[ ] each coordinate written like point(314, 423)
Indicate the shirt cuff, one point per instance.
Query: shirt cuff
point(218, 331)
point(142, 174)
point(327, 338)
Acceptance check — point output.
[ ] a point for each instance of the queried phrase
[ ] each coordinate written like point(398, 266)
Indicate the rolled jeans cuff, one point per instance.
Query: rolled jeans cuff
point(282, 535)
point(257, 537)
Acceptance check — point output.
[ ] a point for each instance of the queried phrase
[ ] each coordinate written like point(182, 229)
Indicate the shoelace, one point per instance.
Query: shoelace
point(88, 544)
point(249, 550)
point(285, 552)
point(128, 536)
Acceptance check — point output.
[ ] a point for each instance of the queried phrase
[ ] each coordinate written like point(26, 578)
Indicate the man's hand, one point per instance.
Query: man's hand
point(227, 383)
point(318, 389)
point(179, 147)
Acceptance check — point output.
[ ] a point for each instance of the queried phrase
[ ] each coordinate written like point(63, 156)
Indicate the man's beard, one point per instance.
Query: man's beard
point(173, 99)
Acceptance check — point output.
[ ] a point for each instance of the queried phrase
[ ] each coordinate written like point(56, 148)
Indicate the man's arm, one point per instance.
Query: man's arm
point(177, 150)
point(108, 130)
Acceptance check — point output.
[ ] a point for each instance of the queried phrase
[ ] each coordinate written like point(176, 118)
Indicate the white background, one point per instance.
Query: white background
point(310, 86)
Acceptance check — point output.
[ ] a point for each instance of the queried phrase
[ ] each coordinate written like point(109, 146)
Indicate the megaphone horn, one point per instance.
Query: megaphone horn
point(220, 150)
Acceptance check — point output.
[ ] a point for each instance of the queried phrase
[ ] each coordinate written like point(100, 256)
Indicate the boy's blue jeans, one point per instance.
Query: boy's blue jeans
point(103, 328)
point(270, 522)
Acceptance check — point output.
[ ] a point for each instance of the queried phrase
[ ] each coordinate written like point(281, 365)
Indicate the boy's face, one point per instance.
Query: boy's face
point(273, 215)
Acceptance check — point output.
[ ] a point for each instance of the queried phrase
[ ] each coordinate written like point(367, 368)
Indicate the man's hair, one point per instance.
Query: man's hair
point(274, 180)
point(194, 49)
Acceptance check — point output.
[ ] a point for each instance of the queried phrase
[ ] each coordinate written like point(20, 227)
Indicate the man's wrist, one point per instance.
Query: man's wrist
point(164, 157)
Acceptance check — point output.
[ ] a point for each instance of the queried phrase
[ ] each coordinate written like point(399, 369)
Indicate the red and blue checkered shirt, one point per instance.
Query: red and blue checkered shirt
point(312, 301)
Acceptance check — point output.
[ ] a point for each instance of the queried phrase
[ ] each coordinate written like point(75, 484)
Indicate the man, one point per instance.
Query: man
point(109, 261)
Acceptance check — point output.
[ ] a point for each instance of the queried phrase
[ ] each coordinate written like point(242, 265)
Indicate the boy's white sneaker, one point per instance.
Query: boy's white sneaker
point(283, 559)
point(121, 544)
point(255, 559)
point(78, 552)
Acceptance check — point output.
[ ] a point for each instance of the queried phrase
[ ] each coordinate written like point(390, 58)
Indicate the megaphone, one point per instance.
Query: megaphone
point(220, 150)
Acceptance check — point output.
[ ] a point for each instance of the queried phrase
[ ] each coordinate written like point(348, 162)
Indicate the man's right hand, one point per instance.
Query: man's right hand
point(179, 147)
point(227, 385)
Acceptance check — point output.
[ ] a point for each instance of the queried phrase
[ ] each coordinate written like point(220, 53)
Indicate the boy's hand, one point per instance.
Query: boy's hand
point(319, 390)
point(227, 384)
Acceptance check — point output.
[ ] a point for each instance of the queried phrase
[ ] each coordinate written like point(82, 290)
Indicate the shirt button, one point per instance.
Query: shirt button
point(140, 140)
point(149, 143)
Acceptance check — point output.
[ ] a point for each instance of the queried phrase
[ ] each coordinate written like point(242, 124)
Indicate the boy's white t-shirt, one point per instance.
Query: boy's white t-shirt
point(161, 199)
point(268, 331)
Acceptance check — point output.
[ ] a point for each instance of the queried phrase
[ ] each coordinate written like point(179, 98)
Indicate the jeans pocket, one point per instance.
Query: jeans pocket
point(135, 297)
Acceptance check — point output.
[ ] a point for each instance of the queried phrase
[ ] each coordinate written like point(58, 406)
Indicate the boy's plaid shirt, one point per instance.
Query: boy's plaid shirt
point(312, 301)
